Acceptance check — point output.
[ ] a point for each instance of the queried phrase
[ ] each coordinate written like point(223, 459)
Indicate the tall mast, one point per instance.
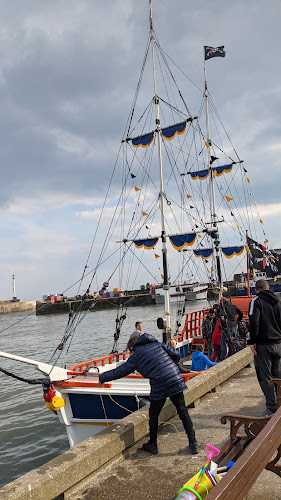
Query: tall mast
point(167, 328)
point(214, 219)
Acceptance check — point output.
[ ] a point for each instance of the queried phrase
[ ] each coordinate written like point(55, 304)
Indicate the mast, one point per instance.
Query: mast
point(214, 218)
point(167, 323)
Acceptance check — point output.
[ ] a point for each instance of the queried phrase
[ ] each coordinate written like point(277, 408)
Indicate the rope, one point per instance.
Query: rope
point(39, 381)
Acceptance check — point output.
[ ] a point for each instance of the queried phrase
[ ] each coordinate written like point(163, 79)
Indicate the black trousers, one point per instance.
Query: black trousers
point(155, 409)
point(268, 366)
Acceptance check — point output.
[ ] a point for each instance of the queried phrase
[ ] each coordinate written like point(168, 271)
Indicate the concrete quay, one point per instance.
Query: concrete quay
point(8, 306)
point(112, 464)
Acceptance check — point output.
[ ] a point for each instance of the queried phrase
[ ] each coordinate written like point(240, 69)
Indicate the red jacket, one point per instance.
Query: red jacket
point(216, 338)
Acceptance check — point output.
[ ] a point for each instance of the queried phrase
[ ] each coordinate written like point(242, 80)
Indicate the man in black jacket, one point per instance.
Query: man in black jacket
point(157, 362)
point(265, 340)
point(227, 313)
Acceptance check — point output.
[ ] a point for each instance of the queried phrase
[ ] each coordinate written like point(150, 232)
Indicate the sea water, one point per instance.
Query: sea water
point(30, 434)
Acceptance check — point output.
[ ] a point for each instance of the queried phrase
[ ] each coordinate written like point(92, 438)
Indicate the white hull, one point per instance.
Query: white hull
point(181, 293)
point(90, 407)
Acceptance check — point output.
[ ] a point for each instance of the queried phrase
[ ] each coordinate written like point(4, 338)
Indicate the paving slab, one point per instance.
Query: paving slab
point(137, 475)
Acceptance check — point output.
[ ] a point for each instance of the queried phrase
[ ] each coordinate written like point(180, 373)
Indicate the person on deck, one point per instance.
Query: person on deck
point(133, 337)
point(200, 361)
point(157, 362)
point(216, 342)
point(208, 327)
point(265, 340)
point(227, 313)
point(182, 368)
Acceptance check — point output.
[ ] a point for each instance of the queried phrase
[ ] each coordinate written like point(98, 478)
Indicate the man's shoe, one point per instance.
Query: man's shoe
point(150, 448)
point(194, 448)
point(267, 413)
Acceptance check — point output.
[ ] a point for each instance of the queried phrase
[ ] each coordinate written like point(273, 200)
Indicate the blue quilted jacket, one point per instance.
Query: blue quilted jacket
point(155, 361)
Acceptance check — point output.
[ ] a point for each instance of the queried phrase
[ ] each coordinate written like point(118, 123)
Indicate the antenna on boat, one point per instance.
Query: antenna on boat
point(214, 218)
point(166, 324)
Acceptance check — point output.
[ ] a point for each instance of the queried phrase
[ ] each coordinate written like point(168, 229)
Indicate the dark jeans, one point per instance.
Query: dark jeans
point(268, 366)
point(210, 348)
point(155, 409)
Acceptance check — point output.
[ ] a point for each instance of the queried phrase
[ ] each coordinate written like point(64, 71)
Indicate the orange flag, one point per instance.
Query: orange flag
point(248, 180)
point(207, 145)
point(188, 195)
point(137, 189)
point(156, 255)
point(162, 276)
point(144, 213)
point(228, 198)
point(266, 240)
point(261, 221)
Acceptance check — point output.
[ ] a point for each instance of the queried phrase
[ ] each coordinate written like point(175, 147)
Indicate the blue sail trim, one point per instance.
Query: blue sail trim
point(229, 252)
point(205, 253)
point(182, 240)
point(147, 244)
point(170, 132)
point(200, 174)
point(225, 169)
point(143, 140)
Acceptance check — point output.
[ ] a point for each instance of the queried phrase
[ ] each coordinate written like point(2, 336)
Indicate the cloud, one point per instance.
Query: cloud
point(68, 73)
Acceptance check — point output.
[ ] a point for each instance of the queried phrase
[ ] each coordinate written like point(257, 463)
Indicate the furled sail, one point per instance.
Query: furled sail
point(224, 169)
point(170, 132)
point(181, 240)
point(217, 171)
point(205, 253)
point(143, 140)
point(148, 244)
point(231, 251)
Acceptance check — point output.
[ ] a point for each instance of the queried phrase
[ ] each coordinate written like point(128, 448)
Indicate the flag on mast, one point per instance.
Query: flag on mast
point(214, 52)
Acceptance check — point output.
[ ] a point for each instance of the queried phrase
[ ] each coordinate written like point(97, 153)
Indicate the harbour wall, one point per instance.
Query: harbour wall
point(101, 303)
point(7, 306)
point(62, 477)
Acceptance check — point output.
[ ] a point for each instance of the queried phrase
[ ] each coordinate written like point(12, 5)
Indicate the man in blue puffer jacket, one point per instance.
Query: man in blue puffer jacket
point(157, 362)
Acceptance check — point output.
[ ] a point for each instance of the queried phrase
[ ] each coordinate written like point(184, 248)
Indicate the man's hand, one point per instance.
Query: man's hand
point(253, 349)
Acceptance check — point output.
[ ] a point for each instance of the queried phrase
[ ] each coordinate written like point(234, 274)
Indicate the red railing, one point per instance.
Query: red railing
point(191, 329)
point(193, 325)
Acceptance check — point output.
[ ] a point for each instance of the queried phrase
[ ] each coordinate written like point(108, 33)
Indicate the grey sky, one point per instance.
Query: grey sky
point(68, 72)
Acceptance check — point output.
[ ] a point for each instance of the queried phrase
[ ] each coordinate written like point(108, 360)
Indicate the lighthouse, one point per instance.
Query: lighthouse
point(14, 299)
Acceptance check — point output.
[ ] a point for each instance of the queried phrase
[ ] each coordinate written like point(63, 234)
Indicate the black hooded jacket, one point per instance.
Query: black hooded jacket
point(155, 361)
point(265, 319)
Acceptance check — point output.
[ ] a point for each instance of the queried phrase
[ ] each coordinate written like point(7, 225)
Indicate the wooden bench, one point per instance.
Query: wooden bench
point(252, 443)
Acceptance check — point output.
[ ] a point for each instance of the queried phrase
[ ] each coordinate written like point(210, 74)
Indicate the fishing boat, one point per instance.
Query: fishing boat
point(169, 200)
point(182, 292)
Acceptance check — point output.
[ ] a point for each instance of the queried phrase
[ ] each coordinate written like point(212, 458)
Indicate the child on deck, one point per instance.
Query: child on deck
point(200, 361)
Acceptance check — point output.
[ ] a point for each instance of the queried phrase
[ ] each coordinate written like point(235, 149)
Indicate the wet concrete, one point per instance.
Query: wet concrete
point(137, 475)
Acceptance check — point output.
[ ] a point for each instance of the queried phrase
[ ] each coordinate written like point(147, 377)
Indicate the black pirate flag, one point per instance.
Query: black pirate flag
point(214, 52)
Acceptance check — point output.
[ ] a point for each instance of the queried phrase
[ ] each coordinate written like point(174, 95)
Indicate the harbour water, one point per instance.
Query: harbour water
point(31, 435)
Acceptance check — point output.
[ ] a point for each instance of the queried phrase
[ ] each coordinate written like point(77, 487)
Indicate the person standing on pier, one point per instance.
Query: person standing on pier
point(265, 340)
point(157, 362)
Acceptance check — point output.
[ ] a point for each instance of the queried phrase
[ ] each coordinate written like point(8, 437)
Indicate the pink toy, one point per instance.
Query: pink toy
point(211, 452)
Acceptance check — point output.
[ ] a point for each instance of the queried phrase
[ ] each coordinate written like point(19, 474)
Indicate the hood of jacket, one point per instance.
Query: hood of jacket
point(145, 338)
point(196, 355)
point(269, 296)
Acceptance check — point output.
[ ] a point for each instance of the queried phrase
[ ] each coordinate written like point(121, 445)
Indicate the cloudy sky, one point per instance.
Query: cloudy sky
point(68, 73)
